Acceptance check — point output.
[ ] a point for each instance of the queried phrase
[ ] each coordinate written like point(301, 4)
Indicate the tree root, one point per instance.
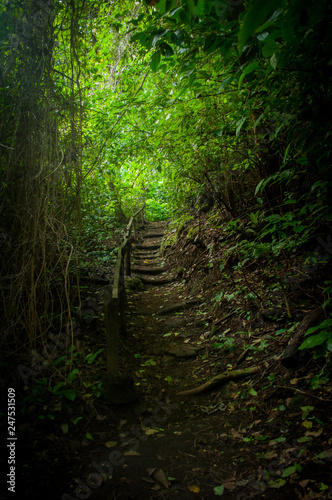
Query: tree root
point(221, 379)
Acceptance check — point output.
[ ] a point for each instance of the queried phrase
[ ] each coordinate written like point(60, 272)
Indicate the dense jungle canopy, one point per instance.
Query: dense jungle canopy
point(178, 104)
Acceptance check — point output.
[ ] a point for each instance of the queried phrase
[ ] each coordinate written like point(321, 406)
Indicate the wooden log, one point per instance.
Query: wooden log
point(221, 379)
point(291, 355)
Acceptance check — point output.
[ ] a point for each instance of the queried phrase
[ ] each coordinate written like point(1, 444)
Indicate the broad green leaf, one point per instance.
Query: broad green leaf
point(200, 8)
point(162, 6)
point(69, 394)
point(219, 490)
point(315, 340)
point(269, 48)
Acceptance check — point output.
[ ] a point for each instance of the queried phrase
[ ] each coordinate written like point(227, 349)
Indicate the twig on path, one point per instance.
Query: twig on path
point(221, 379)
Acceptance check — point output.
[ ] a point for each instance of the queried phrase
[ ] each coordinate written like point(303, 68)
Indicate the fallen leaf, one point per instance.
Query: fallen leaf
point(229, 486)
point(277, 484)
point(148, 480)
point(314, 433)
point(111, 444)
point(160, 476)
point(194, 488)
point(270, 455)
point(149, 432)
point(64, 428)
point(132, 453)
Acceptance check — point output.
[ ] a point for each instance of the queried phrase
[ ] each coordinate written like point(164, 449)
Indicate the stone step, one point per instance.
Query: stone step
point(147, 270)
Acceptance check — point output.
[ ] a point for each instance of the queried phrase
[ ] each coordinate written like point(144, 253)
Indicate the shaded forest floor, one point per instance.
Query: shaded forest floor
point(264, 435)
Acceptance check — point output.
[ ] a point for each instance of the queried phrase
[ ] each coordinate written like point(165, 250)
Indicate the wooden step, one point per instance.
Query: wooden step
point(147, 247)
point(153, 235)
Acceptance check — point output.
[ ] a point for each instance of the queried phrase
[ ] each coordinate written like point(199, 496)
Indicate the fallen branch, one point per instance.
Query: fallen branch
point(221, 379)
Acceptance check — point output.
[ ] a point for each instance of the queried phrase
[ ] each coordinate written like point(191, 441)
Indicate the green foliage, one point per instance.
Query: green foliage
point(225, 343)
point(321, 342)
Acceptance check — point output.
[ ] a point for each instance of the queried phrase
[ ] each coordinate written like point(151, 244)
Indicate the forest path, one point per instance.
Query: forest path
point(174, 448)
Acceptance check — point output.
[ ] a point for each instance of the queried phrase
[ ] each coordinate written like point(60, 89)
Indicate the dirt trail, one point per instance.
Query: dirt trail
point(176, 448)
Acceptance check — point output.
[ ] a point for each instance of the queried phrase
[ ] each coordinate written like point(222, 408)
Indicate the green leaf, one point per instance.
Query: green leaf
point(69, 394)
point(92, 356)
point(256, 15)
point(88, 436)
point(72, 375)
point(278, 483)
point(77, 419)
point(161, 6)
point(65, 428)
point(290, 470)
point(200, 8)
point(159, 34)
point(177, 38)
point(166, 49)
point(155, 61)
point(219, 490)
point(239, 125)
point(274, 61)
point(252, 392)
point(269, 48)
point(315, 340)
point(227, 80)
point(259, 186)
point(249, 69)
point(57, 387)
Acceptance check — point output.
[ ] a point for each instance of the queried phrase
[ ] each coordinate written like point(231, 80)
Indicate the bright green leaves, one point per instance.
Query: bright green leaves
point(259, 11)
